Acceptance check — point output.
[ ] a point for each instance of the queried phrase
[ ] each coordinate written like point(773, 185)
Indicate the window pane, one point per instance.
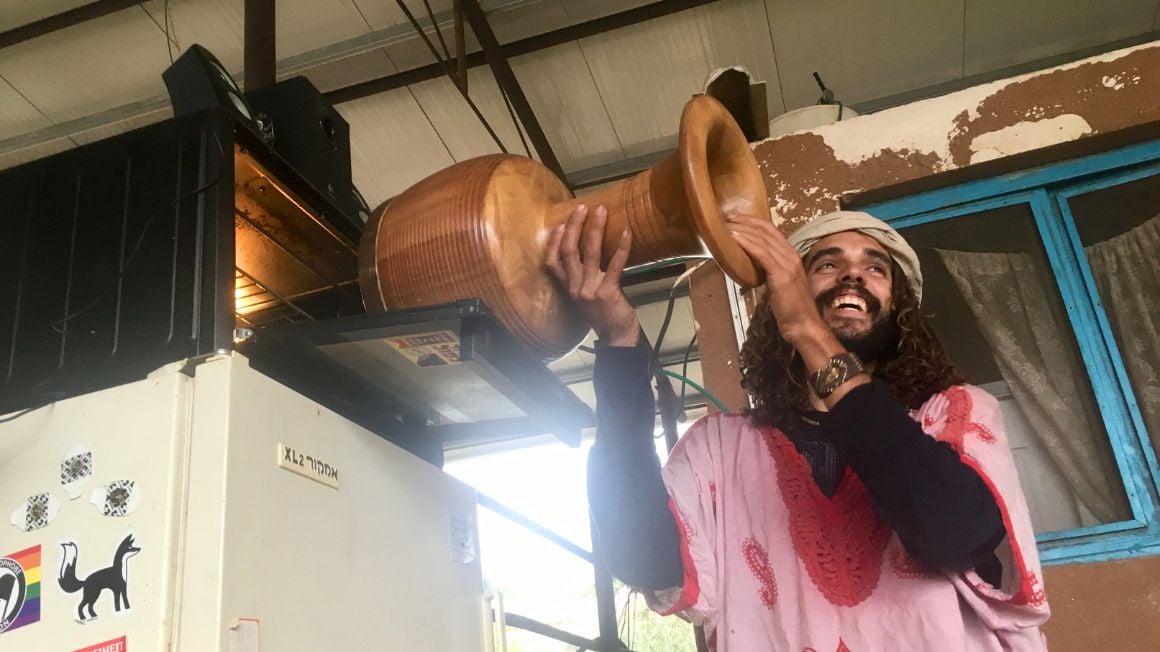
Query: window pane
point(537, 578)
point(1120, 231)
point(991, 297)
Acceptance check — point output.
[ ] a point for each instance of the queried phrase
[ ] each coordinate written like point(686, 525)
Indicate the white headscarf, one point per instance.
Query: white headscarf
point(808, 235)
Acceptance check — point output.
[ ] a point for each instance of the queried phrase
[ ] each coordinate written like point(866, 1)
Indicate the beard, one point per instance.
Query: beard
point(871, 343)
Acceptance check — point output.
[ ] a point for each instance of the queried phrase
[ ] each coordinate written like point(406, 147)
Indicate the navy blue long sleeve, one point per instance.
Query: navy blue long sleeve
point(940, 508)
point(628, 500)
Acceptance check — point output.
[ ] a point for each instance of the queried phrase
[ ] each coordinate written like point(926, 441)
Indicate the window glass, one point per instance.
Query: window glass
point(1119, 228)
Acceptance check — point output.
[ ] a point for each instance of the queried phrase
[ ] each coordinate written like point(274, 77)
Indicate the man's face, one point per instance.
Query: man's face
point(849, 275)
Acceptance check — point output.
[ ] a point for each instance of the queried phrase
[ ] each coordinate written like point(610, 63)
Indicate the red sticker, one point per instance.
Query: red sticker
point(115, 645)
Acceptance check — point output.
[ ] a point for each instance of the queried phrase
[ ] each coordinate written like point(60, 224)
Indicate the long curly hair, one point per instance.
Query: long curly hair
point(914, 366)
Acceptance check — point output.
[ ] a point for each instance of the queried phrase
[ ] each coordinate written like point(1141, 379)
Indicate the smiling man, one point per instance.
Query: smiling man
point(867, 501)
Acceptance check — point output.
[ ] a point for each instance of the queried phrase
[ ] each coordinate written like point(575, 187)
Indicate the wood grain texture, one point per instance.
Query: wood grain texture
point(480, 228)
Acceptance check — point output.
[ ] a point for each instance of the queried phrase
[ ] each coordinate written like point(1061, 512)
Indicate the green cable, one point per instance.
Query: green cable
point(704, 392)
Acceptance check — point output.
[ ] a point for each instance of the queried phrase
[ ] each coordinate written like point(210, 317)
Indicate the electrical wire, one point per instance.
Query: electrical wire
point(59, 324)
point(168, 37)
point(625, 618)
point(661, 264)
point(685, 367)
point(515, 121)
point(447, 71)
point(704, 392)
point(438, 32)
point(13, 417)
point(51, 398)
point(669, 308)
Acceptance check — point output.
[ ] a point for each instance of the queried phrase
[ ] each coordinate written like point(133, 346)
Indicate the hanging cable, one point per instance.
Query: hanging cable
point(667, 403)
point(168, 36)
point(61, 325)
point(515, 121)
point(47, 400)
point(704, 392)
point(672, 302)
point(661, 264)
point(685, 366)
point(438, 32)
point(447, 71)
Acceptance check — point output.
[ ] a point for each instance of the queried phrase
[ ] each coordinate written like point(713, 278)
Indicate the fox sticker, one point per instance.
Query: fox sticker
point(114, 578)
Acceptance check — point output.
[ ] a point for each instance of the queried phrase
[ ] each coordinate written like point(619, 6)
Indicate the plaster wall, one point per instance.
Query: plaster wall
point(806, 172)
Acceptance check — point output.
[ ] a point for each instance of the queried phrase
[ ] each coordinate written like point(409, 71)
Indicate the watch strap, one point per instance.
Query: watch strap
point(837, 370)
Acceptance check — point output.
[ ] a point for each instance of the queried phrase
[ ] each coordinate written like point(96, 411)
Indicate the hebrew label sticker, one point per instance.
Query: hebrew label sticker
point(37, 512)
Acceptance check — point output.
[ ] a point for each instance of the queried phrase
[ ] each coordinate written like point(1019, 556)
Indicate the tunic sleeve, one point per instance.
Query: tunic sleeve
point(969, 419)
point(690, 475)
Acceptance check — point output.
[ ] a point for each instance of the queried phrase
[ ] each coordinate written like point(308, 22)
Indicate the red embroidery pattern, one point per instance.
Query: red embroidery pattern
point(840, 540)
point(686, 530)
point(909, 568)
point(758, 560)
point(1031, 593)
point(841, 647)
point(959, 424)
point(691, 591)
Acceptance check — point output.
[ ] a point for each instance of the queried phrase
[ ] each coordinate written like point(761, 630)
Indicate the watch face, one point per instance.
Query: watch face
point(830, 375)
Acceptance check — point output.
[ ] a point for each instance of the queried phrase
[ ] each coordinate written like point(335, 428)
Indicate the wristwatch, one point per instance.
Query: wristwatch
point(836, 371)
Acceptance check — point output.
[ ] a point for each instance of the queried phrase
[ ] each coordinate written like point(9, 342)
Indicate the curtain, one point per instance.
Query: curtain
point(1011, 297)
point(1127, 275)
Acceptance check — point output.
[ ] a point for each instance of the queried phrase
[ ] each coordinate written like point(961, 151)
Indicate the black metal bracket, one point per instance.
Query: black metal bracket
point(387, 394)
point(509, 85)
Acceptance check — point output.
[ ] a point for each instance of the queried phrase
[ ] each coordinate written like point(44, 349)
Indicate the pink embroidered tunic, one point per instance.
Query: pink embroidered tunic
point(772, 563)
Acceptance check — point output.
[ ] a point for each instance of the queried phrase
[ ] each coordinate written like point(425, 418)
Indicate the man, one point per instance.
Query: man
point(868, 500)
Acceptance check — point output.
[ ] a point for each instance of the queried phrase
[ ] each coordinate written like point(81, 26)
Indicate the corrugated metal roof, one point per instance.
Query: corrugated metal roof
point(605, 100)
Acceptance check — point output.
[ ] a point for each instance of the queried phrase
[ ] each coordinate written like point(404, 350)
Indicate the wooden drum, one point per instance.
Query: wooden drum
point(480, 229)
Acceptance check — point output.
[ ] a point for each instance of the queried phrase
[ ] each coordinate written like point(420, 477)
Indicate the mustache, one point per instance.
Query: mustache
point(873, 305)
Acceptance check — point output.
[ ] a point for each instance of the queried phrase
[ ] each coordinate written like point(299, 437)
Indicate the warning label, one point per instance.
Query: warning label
point(115, 645)
point(428, 349)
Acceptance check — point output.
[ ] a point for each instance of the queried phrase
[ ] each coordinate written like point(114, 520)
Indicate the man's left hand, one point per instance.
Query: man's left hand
point(789, 295)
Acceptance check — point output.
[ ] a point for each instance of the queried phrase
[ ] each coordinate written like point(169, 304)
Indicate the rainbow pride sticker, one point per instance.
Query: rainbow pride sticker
point(20, 589)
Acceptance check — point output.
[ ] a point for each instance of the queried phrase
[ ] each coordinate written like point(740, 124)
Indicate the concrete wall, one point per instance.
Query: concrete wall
point(1114, 606)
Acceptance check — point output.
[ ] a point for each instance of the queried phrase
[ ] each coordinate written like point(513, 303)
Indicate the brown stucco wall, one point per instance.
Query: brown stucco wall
point(1108, 606)
point(806, 172)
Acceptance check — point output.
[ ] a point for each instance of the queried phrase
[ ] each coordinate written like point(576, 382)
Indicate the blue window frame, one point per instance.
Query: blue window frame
point(1047, 192)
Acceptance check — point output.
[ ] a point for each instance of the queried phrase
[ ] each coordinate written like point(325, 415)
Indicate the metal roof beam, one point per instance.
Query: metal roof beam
point(81, 14)
point(261, 63)
point(517, 48)
point(510, 86)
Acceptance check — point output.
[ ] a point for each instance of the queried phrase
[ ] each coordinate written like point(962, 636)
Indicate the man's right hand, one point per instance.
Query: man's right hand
point(573, 257)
